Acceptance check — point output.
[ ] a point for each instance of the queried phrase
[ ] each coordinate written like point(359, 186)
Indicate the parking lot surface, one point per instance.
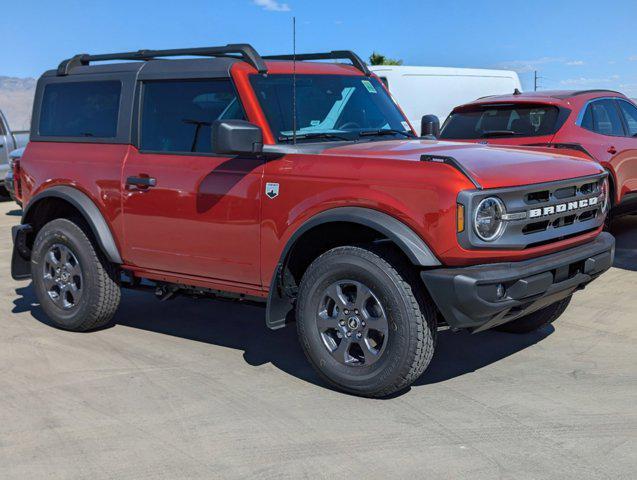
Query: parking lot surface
point(201, 389)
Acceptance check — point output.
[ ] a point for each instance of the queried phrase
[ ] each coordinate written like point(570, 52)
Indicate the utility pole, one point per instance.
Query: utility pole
point(535, 80)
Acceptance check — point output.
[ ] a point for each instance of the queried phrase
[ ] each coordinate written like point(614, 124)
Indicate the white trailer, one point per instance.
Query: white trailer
point(437, 90)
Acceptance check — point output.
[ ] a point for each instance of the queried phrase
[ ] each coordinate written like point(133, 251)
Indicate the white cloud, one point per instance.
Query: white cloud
point(629, 89)
point(574, 63)
point(272, 5)
point(523, 66)
point(586, 81)
point(633, 58)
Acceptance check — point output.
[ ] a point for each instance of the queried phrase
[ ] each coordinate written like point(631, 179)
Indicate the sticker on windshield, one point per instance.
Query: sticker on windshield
point(406, 126)
point(368, 85)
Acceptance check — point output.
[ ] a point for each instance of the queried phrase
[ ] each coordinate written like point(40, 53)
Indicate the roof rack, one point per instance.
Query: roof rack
point(357, 62)
point(238, 50)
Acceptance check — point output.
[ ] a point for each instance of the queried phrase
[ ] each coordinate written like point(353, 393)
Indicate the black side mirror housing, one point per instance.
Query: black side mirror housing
point(430, 127)
point(236, 137)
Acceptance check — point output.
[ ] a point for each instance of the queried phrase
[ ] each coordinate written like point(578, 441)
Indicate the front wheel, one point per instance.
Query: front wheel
point(77, 288)
point(364, 325)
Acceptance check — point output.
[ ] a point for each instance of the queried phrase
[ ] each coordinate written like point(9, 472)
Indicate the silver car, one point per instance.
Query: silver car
point(7, 177)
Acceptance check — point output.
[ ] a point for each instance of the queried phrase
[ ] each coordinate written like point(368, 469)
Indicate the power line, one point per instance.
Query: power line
point(536, 81)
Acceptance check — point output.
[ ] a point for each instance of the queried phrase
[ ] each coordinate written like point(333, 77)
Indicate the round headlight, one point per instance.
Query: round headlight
point(488, 222)
point(605, 194)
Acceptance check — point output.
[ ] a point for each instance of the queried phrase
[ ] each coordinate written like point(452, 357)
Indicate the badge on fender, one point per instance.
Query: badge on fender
point(272, 190)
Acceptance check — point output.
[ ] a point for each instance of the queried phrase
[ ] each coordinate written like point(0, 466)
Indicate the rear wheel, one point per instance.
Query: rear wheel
point(535, 320)
point(77, 288)
point(362, 325)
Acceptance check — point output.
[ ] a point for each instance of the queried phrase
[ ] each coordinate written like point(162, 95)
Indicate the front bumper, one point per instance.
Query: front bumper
point(468, 297)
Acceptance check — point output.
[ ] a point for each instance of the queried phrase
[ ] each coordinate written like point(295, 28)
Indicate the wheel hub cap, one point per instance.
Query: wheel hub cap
point(62, 276)
point(352, 323)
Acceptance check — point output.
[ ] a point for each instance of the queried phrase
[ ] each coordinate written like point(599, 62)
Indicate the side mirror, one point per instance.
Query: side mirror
point(236, 137)
point(430, 126)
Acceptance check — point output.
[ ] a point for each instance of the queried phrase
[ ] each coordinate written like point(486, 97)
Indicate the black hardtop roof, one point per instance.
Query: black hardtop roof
point(219, 59)
point(159, 68)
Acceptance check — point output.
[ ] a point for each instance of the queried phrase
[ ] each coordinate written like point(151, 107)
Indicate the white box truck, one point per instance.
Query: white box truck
point(437, 90)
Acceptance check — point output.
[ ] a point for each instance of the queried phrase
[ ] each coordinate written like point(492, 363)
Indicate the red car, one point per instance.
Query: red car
point(300, 186)
point(600, 123)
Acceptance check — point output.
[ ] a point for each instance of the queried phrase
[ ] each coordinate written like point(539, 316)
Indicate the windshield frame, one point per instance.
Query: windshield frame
point(315, 135)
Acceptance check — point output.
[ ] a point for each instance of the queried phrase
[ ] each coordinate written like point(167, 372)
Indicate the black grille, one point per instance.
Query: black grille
point(539, 214)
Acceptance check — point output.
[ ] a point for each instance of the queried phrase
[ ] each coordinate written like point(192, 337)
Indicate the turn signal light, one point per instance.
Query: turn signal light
point(460, 218)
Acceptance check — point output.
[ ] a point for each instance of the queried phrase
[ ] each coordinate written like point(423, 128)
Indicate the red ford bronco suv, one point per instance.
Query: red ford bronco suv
point(300, 185)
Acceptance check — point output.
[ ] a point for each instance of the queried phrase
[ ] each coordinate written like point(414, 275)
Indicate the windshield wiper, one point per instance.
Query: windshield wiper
point(302, 136)
point(498, 133)
point(385, 131)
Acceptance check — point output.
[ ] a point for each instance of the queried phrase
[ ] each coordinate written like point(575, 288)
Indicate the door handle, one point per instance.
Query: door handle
point(612, 150)
point(141, 182)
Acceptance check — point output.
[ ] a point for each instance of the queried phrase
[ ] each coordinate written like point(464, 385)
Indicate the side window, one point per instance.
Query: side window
point(177, 115)
point(630, 114)
point(603, 117)
point(587, 120)
point(80, 109)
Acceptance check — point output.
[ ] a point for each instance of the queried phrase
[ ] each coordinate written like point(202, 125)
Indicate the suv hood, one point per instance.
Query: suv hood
point(490, 166)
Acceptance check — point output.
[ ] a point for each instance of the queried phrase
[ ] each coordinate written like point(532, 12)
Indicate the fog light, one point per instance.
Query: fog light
point(500, 291)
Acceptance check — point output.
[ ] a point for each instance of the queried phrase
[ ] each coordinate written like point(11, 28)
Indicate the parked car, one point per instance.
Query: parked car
point(600, 123)
point(9, 141)
point(437, 90)
point(300, 186)
point(14, 158)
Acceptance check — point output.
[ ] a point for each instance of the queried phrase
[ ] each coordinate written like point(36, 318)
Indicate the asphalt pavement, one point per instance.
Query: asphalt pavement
point(201, 389)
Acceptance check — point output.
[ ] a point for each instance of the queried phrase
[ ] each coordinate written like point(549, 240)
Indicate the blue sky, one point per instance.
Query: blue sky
point(573, 44)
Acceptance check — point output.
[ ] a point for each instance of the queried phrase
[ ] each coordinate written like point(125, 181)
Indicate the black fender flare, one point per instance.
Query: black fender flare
point(414, 247)
point(92, 215)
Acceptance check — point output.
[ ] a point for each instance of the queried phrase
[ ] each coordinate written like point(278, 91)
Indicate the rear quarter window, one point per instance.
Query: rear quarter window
point(502, 121)
point(80, 109)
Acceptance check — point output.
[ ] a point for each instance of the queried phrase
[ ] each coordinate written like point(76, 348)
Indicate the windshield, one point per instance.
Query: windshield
point(329, 107)
point(502, 121)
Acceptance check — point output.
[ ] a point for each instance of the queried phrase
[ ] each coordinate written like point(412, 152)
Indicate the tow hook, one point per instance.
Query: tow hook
point(165, 292)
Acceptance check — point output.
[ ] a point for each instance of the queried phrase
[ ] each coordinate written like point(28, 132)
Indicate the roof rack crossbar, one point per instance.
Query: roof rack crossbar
point(243, 50)
point(357, 62)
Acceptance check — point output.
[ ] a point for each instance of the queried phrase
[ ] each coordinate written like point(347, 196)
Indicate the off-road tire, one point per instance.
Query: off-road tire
point(410, 313)
point(101, 291)
point(535, 320)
